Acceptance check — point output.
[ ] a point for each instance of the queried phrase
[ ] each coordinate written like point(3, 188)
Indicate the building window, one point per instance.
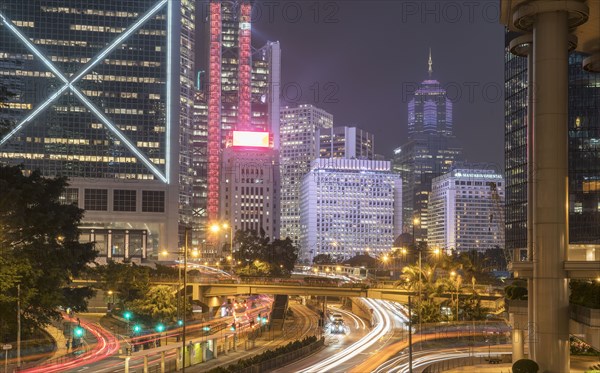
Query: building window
point(153, 201)
point(124, 200)
point(96, 199)
point(69, 197)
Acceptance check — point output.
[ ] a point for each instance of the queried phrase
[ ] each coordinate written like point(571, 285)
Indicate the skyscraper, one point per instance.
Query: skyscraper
point(299, 147)
point(349, 207)
point(250, 184)
point(346, 142)
point(103, 94)
point(243, 85)
point(466, 210)
point(430, 151)
point(584, 150)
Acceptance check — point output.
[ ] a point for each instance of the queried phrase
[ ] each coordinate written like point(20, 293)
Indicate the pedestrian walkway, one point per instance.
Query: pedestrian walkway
point(579, 364)
point(59, 339)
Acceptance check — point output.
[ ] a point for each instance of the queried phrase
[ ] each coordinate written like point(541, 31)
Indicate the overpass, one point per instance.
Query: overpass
point(212, 294)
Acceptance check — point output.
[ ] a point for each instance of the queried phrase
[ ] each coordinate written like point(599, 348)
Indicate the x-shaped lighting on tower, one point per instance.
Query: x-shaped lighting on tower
point(69, 85)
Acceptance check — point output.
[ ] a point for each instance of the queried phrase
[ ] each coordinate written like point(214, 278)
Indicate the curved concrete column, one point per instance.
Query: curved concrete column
point(550, 22)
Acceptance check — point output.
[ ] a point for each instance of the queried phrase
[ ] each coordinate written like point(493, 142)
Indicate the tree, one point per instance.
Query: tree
point(39, 250)
point(323, 259)
point(255, 251)
point(157, 304)
point(129, 281)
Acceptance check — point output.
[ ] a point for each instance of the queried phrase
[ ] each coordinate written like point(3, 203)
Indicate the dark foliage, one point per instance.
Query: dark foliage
point(39, 251)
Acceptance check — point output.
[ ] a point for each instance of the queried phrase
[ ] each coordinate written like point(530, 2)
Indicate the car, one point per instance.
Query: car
point(337, 317)
point(337, 327)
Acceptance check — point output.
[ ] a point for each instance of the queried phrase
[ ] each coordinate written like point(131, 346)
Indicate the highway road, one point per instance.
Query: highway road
point(343, 351)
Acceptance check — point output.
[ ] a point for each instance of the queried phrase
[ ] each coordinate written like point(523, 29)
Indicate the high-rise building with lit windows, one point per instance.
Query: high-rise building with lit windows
point(346, 142)
point(242, 86)
point(466, 210)
point(103, 94)
point(299, 141)
point(349, 207)
point(584, 153)
point(250, 185)
point(430, 151)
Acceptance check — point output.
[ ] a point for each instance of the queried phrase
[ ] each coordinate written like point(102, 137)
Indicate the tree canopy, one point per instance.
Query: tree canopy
point(39, 250)
point(259, 256)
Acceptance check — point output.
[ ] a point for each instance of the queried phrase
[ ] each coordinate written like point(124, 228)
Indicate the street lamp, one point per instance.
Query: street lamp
point(216, 228)
point(458, 282)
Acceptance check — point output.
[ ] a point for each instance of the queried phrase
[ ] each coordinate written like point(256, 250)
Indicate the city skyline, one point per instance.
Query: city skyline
point(337, 82)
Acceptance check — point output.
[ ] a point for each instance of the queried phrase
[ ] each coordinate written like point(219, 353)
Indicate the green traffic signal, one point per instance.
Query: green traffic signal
point(180, 322)
point(78, 332)
point(160, 328)
point(137, 328)
point(127, 315)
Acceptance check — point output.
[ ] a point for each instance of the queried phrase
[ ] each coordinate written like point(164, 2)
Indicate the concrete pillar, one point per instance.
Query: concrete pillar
point(145, 363)
point(550, 286)
point(215, 348)
point(162, 362)
point(179, 359)
point(518, 345)
point(127, 364)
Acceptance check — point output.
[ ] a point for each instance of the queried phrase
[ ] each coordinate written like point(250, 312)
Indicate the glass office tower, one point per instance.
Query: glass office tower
point(103, 94)
point(584, 156)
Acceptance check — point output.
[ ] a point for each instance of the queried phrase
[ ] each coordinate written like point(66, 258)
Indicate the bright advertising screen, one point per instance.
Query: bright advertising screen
point(250, 138)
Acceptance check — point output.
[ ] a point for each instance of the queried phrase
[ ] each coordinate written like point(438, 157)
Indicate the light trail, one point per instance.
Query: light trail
point(106, 345)
point(382, 327)
point(355, 318)
point(434, 358)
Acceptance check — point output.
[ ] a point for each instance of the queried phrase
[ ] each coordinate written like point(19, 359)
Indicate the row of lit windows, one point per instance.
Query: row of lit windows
point(15, 105)
point(63, 43)
point(96, 12)
point(116, 30)
point(74, 157)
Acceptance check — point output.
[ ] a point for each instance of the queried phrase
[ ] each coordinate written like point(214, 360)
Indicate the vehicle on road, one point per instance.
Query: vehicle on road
point(337, 327)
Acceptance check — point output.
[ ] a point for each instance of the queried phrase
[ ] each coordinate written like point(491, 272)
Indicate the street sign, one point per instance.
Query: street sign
point(7, 347)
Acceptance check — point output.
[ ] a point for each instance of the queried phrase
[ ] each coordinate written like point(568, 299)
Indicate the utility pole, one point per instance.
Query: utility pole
point(410, 348)
point(18, 325)
point(185, 254)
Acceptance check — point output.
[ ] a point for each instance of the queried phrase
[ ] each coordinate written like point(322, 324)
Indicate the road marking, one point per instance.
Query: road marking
point(82, 369)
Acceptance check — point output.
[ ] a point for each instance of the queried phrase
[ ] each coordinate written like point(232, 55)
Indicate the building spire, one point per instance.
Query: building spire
point(430, 63)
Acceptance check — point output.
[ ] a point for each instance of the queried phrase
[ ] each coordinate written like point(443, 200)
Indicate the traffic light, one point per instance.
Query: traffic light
point(127, 315)
point(206, 328)
point(233, 326)
point(160, 328)
point(78, 332)
point(258, 317)
point(137, 328)
point(180, 322)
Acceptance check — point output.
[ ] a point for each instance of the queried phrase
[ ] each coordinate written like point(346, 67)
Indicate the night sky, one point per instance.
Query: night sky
point(360, 60)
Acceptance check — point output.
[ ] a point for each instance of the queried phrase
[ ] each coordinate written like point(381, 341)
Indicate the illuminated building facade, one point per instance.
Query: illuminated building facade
point(349, 207)
point(346, 142)
point(243, 86)
point(583, 152)
point(430, 151)
point(103, 94)
point(299, 147)
point(466, 210)
point(250, 185)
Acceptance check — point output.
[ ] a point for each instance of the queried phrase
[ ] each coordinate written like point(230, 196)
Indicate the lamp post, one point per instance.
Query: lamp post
point(184, 301)
point(410, 349)
point(216, 228)
point(415, 222)
point(458, 282)
point(185, 253)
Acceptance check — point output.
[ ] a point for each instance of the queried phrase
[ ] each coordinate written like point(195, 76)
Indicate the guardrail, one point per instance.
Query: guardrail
point(284, 359)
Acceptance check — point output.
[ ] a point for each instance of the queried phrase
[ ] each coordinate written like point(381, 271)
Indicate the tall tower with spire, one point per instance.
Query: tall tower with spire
point(430, 110)
point(429, 151)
